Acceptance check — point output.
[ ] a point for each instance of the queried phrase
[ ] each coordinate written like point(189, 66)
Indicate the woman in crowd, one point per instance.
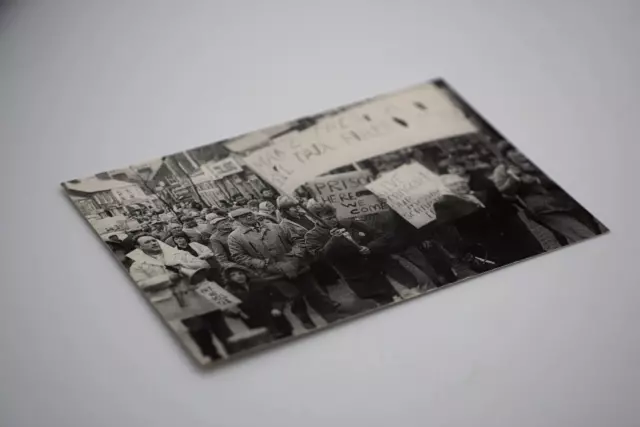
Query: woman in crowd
point(200, 251)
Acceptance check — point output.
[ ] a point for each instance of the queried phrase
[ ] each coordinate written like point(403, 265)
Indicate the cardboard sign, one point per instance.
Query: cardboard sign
point(217, 295)
point(347, 193)
point(415, 116)
point(223, 168)
point(410, 190)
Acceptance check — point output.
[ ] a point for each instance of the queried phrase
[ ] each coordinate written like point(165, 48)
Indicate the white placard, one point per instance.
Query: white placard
point(347, 193)
point(217, 295)
point(410, 190)
point(415, 116)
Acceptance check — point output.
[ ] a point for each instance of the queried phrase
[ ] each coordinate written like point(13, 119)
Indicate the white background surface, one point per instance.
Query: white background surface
point(87, 86)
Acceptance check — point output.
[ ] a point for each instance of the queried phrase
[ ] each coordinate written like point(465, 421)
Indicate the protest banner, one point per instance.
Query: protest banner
point(217, 295)
point(347, 193)
point(223, 168)
point(410, 190)
point(415, 116)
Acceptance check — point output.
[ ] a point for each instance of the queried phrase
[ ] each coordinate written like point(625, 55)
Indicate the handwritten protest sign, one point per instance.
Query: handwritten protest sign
point(347, 193)
point(415, 116)
point(410, 190)
point(217, 295)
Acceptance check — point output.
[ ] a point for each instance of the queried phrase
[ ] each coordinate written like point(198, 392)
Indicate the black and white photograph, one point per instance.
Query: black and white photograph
point(273, 234)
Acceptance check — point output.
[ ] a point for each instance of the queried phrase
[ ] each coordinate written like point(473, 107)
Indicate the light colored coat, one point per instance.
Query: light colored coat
point(273, 243)
point(148, 271)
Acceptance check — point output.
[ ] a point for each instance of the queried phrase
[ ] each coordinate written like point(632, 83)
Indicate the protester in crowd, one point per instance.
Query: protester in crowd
point(260, 306)
point(190, 228)
point(267, 207)
point(156, 269)
point(545, 202)
point(203, 227)
point(344, 246)
point(296, 222)
point(173, 228)
point(159, 230)
point(221, 211)
point(488, 226)
point(292, 216)
point(150, 265)
point(274, 254)
point(266, 212)
point(253, 205)
point(239, 201)
point(223, 226)
point(184, 243)
point(302, 195)
point(401, 241)
point(120, 251)
point(210, 217)
point(268, 196)
point(263, 217)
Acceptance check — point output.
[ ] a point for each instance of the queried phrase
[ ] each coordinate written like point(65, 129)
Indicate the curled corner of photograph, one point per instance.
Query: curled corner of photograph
point(283, 231)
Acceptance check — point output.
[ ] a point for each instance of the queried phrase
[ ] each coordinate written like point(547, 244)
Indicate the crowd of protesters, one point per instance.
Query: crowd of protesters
point(278, 252)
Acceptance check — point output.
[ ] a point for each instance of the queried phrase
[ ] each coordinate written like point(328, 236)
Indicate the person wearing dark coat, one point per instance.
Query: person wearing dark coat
point(272, 251)
point(545, 202)
point(350, 247)
point(298, 223)
point(488, 226)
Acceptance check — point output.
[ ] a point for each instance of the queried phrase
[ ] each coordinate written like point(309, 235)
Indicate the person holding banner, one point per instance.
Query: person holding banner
point(272, 252)
point(344, 246)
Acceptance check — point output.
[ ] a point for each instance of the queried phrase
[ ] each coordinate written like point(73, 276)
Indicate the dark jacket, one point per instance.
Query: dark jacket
point(339, 251)
point(273, 249)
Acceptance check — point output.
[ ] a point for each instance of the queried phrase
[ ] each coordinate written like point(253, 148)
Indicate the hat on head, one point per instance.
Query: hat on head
point(216, 220)
point(265, 206)
point(322, 208)
point(239, 212)
point(285, 202)
point(226, 273)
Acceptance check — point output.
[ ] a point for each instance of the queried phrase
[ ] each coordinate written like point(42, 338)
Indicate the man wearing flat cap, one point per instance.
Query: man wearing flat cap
point(277, 256)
